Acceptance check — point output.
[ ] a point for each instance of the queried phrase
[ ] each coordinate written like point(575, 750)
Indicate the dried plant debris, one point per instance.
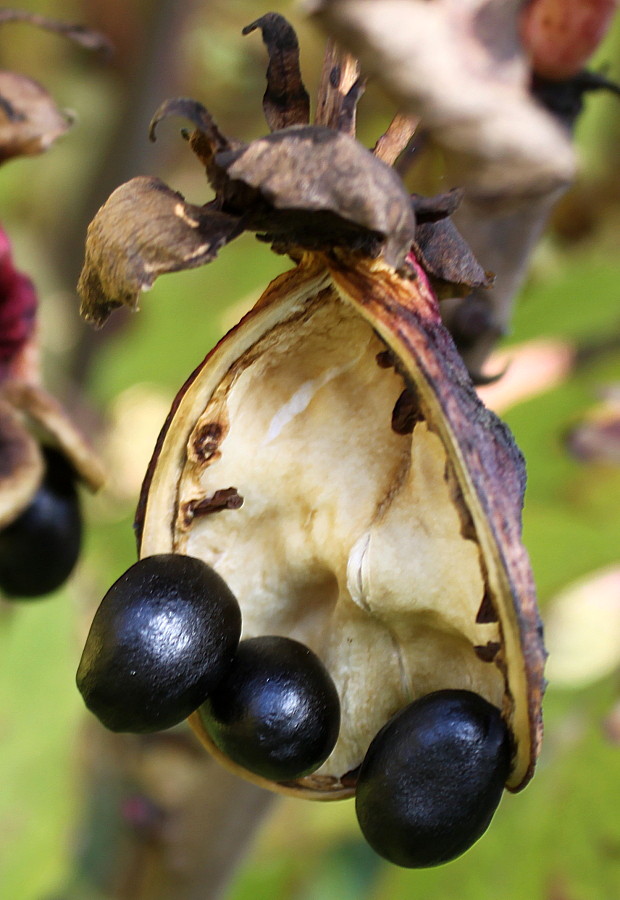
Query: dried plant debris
point(330, 458)
point(30, 121)
point(128, 252)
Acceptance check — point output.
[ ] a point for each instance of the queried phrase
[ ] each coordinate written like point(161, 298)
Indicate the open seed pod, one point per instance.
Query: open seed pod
point(330, 458)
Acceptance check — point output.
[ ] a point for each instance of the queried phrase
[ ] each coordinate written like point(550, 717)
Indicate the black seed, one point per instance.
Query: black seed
point(432, 779)
point(277, 712)
point(39, 549)
point(163, 636)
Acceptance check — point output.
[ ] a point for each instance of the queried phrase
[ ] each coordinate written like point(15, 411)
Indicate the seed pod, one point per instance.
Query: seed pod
point(276, 712)
point(432, 779)
point(163, 636)
point(330, 457)
point(39, 548)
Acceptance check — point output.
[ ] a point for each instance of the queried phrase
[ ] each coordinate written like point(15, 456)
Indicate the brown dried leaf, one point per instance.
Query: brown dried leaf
point(321, 171)
point(145, 229)
point(29, 119)
point(286, 101)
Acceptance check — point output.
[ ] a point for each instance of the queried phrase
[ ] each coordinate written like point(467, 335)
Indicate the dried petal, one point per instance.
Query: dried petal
point(29, 119)
point(145, 229)
point(286, 101)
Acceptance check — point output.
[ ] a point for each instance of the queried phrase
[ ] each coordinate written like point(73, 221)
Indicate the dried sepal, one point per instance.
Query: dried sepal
point(29, 119)
point(286, 101)
point(144, 230)
point(355, 199)
point(398, 135)
point(341, 71)
point(199, 116)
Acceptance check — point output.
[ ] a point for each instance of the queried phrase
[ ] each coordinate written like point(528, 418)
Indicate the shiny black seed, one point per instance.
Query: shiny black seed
point(432, 779)
point(164, 635)
point(277, 712)
point(39, 549)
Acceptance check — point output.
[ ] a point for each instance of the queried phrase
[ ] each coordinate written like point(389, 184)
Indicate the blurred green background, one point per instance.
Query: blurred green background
point(560, 839)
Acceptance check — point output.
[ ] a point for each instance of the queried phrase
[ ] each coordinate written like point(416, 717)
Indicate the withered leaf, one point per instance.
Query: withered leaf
point(317, 170)
point(286, 101)
point(145, 229)
point(29, 119)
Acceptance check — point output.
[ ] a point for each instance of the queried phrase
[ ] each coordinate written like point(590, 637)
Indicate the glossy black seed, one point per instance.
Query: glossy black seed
point(277, 712)
point(164, 635)
point(39, 549)
point(432, 779)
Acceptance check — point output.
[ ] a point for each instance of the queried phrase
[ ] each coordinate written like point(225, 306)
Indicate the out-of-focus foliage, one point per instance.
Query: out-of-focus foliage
point(560, 839)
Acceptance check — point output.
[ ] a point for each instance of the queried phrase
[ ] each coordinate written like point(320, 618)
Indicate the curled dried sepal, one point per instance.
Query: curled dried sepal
point(144, 230)
point(29, 119)
point(286, 101)
point(440, 248)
